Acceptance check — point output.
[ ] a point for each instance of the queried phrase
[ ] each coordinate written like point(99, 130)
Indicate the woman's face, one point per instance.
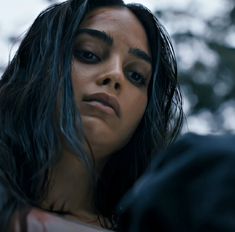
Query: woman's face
point(111, 71)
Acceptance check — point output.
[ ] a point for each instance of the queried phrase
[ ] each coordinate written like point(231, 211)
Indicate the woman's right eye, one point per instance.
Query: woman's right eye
point(86, 56)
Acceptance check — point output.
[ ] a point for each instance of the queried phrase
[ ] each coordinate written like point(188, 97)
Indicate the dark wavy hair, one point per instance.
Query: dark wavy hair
point(37, 111)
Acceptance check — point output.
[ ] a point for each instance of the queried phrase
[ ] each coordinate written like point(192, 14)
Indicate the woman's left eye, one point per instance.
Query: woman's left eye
point(86, 56)
point(137, 78)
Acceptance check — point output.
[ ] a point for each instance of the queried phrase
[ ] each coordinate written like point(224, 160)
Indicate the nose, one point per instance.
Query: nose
point(112, 75)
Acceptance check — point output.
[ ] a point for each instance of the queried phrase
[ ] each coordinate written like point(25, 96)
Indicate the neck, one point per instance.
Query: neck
point(70, 188)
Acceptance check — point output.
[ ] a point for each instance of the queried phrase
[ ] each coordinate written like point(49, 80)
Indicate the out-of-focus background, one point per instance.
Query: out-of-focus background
point(203, 33)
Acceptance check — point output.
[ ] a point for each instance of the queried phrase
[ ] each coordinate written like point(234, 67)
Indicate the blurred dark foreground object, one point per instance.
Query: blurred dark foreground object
point(190, 188)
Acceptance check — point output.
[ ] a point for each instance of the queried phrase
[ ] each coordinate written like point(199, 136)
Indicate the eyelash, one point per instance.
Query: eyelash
point(142, 81)
point(82, 56)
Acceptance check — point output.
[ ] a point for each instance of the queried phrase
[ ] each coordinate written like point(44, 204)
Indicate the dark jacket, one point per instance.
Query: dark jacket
point(190, 188)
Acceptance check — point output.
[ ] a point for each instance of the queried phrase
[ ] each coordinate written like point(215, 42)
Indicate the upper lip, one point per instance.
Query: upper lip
point(105, 99)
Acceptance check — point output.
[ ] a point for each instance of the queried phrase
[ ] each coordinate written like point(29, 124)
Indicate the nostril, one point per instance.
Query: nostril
point(110, 82)
point(106, 81)
point(117, 86)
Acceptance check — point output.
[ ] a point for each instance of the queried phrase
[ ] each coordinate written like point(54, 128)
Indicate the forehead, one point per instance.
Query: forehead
point(120, 23)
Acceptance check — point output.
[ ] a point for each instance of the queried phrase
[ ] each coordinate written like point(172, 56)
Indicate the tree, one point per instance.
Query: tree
point(206, 58)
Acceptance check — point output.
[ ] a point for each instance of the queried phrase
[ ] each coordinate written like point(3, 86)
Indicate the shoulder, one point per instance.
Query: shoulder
point(190, 187)
point(193, 149)
point(39, 220)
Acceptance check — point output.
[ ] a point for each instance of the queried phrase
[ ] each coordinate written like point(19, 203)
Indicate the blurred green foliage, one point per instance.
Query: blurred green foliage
point(205, 48)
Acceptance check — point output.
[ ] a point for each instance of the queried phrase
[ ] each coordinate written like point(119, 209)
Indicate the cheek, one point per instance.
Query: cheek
point(75, 78)
point(134, 114)
point(79, 82)
point(137, 113)
point(137, 107)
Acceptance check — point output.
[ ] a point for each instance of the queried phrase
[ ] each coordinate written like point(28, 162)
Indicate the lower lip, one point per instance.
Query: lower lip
point(100, 106)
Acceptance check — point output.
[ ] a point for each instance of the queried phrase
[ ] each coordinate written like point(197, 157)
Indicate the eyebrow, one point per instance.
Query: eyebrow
point(140, 54)
point(103, 36)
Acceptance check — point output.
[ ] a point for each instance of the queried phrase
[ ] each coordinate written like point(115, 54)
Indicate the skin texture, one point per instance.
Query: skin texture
point(115, 71)
point(40, 221)
point(112, 73)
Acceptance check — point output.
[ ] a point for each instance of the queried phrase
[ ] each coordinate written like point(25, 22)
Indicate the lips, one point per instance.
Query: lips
point(104, 99)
